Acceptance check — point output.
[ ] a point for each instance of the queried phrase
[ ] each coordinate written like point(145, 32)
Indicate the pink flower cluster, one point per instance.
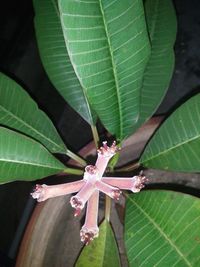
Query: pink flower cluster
point(88, 190)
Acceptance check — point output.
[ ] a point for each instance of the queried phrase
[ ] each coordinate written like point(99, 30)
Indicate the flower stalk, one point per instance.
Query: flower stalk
point(75, 157)
point(90, 229)
point(95, 136)
point(107, 208)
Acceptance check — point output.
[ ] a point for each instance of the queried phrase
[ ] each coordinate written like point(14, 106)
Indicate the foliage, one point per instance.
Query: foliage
point(109, 57)
point(175, 146)
point(55, 58)
point(162, 229)
point(113, 61)
point(21, 156)
point(19, 112)
point(158, 72)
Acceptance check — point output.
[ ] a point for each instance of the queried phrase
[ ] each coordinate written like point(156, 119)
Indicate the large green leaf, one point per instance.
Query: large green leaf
point(108, 46)
point(102, 252)
point(161, 22)
point(22, 158)
point(162, 229)
point(19, 111)
point(55, 58)
point(175, 146)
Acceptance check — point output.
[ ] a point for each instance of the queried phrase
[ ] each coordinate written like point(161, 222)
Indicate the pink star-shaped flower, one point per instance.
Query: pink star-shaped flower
point(88, 190)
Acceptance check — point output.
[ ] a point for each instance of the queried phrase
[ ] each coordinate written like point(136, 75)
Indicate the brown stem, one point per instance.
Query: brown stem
point(132, 166)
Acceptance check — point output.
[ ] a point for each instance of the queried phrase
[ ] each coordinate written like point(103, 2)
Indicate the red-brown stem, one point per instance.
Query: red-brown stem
point(45, 192)
point(109, 190)
point(90, 229)
point(107, 208)
point(101, 164)
point(92, 211)
point(120, 182)
point(83, 195)
point(135, 184)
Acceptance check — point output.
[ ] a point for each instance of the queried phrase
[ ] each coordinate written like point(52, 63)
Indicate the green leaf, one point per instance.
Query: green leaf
point(20, 112)
point(102, 252)
point(175, 146)
point(55, 58)
point(161, 22)
point(162, 229)
point(108, 46)
point(22, 158)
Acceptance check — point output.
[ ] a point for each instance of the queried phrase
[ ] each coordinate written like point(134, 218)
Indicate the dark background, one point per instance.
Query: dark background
point(19, 59)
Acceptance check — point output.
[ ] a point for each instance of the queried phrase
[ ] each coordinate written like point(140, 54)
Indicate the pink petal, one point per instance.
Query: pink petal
point(43, 192)
point(135, 184)
point(105, 153)
point(111, 191)
point(91, 173)
point(108, 151)
point(90, 170)
point(90, 229)
point(78, 201)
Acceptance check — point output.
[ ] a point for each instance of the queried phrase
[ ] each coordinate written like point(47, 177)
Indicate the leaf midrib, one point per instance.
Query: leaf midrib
point(172, 148)
point(103, 256)
point(55, 7)
point(161, 232)
point(154, 22)
point(71, 61)
point(30, 127)
point(113, 68)
point(28, 163)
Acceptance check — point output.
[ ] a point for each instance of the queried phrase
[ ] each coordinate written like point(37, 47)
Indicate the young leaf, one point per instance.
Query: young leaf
point(55, 58)
point(22, 158)
point(175, 146)
point(162, 229)
point(20, 112)
point(108, 45)
point(102, 252)
point(161, 23)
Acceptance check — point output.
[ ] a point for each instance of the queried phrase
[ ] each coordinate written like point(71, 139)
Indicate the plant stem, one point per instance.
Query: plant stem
point(130, 167)
point(73, 171)
point(95, 136)
point(112, 163)
point(107, 208)
point(75, 157)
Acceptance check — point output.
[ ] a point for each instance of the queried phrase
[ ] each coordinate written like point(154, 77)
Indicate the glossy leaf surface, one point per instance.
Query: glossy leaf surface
point(20, 112)
point(55, 58)
point(108, 46)
point(162, 229)
point(161, 22)
point(102, 252)
point(175, 146)
point(22, 158)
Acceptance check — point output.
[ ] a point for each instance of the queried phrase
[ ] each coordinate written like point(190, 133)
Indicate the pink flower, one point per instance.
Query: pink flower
point(88, 190)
